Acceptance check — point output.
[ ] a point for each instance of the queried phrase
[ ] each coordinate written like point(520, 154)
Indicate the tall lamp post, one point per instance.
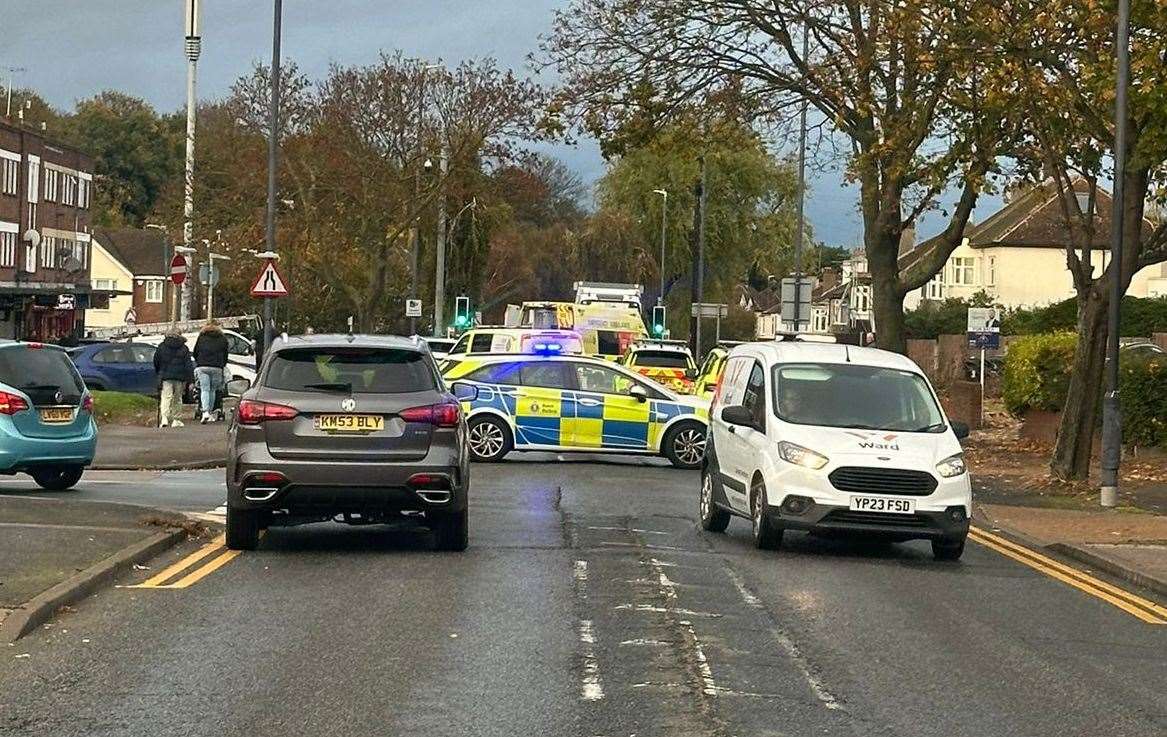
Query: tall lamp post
point(194, 43)
point(664, 208)
point(272, 163)
point(1111, 413)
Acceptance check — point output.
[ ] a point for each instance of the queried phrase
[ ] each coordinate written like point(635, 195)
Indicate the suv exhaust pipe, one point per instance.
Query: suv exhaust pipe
point(435, 496)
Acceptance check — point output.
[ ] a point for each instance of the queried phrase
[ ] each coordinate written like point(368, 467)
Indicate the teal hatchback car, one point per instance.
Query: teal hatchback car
point(46, 416)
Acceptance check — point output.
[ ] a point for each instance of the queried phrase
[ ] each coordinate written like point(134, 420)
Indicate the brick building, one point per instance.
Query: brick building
point(46, 190)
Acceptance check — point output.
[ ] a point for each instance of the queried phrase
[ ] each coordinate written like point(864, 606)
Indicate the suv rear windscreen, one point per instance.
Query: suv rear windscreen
point(661, 359)
point(351, 369)
point(41, 373)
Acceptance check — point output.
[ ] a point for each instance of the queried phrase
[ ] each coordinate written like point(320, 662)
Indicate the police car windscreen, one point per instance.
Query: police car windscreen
point(851, 396)
point(662, 359)
point(46, 375)
point(353, 369)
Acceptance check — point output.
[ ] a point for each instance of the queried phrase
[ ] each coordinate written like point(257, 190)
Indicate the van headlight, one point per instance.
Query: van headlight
point(801, 456)
point(951, 466)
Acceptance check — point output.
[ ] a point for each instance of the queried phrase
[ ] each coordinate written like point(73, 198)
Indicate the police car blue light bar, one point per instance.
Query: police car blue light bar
point(548, 348)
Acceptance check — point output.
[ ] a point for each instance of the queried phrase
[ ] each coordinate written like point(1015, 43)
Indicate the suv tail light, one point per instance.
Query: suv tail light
point(10, 404)
point(87, 404)
point(439, 415)
point(252, 412)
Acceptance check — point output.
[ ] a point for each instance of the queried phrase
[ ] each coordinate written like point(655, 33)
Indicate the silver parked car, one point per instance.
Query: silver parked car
point(360, 429)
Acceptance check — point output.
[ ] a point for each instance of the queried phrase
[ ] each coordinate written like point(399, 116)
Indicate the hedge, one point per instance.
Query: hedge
point(1037, 372)
point(1142, 390)
point(1037, 377)
point(1141, 318)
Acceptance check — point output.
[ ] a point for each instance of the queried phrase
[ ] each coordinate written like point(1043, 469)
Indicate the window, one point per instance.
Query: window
point(855, 396)
point(9, 173)
point(154, 291)
point(545, 375)
point(733, 381)
point(861, 301)
point(41, 373)
point(820, 320)
point(7, 249)
point(934, 289)
point(991, 277)
point(105, 285)
point(608, 342)
point(238, 346)
point(49, 252)
point(962, 270)
point(52, 184)
point(497, 373)
point(30, 258)
point(350, 369)
point(69, 190)
point(113, 354)
point(603, 380)
point(83, 193)
point(481, 343)
point(754, 398)
point(662, 359)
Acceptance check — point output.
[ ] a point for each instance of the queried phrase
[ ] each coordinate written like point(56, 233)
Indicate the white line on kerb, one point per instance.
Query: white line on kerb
point(592, 688)
point(816, 685)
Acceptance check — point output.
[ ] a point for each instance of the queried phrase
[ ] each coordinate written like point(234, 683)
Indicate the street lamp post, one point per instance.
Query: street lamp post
point(193, 49)
point(212, 257)
point(664, 208)
point(1111, 412)
point(440, 246)
point(8, 105)
point(272, 163)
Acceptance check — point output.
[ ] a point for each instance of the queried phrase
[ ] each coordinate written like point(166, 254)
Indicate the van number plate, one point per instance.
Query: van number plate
point(886, 505)
point(349, 423)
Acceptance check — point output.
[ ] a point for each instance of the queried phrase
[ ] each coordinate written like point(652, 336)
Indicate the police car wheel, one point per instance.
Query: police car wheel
point(713, 517)
point(489, 439)
point(684, 445)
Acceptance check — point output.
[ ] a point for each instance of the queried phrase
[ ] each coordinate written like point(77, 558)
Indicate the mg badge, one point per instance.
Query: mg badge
point(348, 405)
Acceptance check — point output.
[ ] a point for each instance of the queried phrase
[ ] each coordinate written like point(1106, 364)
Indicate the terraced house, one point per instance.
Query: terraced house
point(46, 191)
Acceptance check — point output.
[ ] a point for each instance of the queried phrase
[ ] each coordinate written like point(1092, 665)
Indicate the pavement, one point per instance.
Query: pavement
point(46, 542)
point(589, 603)
point(136, 447)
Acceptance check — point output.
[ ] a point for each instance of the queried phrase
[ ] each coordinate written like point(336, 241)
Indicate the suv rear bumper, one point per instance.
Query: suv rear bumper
point(19, 453)
point(319, 488)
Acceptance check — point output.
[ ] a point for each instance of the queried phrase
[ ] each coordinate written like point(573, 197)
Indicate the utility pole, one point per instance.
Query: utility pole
point(698, 279)
point(798, 236)
point(272, 163)
point(194, 43)
point(664, 208)
point(440, 260)
point(1111, 412)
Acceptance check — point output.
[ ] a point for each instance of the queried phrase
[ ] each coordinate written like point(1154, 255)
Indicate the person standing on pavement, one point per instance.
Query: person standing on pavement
point(175, 369)
point(210, 355)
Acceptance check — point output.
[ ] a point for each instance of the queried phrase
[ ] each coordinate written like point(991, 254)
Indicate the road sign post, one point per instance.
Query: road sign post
point(270, 283)
point(178, 267)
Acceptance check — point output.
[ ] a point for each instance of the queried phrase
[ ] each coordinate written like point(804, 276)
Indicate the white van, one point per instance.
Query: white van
point(834, 439)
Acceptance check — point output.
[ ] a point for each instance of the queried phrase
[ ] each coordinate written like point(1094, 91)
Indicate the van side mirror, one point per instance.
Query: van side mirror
point(737, 415)
point(638, 392)
point(464, 392)
point(960, 429)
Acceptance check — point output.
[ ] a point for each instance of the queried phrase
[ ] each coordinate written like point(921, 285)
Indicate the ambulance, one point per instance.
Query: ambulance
point(607, 328)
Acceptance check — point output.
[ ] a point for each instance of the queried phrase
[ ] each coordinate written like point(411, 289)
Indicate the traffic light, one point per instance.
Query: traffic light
point(658, 321)
point(462, 312)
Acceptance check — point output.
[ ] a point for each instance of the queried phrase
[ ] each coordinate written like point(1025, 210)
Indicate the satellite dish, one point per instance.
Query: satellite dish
point(33, 237)
point(72, 265)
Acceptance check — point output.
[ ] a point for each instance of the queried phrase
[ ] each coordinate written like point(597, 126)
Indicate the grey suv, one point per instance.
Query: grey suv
point(360, 429)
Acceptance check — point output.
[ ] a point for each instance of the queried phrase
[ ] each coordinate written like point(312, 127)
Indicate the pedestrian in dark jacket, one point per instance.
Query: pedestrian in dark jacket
point(210, 355)
point(175, 369)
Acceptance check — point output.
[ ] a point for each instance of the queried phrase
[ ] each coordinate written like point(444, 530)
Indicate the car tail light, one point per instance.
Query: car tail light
point(252, 412)
point(269, 477)
point(440, 415)
point(10, 404)
point(87, 404)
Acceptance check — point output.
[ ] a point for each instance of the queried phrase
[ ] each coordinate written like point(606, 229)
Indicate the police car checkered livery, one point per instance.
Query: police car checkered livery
point(575, 403)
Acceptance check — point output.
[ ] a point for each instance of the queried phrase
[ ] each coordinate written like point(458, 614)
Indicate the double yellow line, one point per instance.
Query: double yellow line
point(178, 572)
point(1148, 611)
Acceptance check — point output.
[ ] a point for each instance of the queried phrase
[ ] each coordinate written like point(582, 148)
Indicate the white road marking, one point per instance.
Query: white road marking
point(592, 687)
point(663, 610)
point(792, 650)
point(644, 642)
point(708, 686)
point(632, 529)
point(642, 547)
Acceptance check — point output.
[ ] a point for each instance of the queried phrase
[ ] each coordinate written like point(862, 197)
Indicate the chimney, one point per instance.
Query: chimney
point(829, 278)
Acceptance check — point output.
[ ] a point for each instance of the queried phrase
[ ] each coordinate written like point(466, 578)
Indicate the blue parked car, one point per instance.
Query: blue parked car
point(46, 416)
point(117, 367)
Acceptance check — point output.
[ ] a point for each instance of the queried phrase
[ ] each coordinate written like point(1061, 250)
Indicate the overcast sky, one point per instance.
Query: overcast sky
point(72, 49)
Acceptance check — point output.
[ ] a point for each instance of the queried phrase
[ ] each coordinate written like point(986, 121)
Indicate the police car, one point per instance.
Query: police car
point(576, 403)
point(667, 362)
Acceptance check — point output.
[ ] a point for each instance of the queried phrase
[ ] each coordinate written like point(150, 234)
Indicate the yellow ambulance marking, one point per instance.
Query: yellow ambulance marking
point(216, 550)
point(1147, 611)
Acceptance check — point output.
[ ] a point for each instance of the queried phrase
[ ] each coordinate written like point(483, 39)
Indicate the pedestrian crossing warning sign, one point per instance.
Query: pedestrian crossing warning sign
point(269, 283)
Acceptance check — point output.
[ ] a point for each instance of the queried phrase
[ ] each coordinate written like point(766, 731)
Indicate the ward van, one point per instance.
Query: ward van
point(831, 438)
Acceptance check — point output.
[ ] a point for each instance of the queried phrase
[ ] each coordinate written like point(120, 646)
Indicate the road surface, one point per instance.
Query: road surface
point(588, 604)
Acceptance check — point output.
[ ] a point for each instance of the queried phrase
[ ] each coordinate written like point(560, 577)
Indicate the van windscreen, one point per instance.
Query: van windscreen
point(853, 396)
